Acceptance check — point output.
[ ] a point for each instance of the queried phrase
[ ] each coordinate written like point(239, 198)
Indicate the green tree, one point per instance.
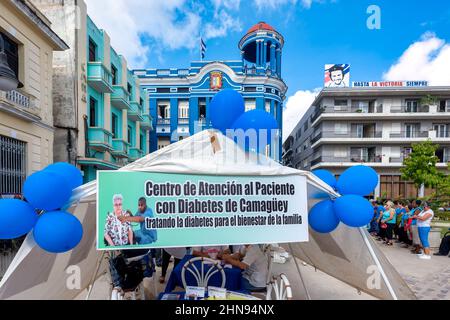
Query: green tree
point(420, 165)
point(428, 100)
point(442, 195)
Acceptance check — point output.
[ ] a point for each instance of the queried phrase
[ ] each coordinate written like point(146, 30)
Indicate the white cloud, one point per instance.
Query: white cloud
point(228, 4)
point(274, 4)
point(296, 106)
point(427, 59)
point(307, 3)
point(169, 24)
point(227, 23)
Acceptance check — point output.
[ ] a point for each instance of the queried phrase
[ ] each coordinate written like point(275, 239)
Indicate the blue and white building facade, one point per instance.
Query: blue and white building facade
point(179, 98)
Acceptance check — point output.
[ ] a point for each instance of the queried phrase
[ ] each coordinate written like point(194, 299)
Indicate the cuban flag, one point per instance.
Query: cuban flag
point(202, 48)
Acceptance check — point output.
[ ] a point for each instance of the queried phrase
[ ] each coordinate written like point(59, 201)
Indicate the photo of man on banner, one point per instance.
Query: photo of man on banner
point(143, 235)
point(337, 75)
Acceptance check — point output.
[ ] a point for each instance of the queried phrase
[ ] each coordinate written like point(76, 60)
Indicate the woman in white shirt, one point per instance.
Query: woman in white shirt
point(424, 226)
point(254, 266)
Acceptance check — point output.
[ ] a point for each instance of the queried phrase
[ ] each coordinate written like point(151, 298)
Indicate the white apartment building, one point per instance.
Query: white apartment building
point(375, 126)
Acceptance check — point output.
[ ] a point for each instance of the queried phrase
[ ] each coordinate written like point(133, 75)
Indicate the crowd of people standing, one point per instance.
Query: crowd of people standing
point(409, 223)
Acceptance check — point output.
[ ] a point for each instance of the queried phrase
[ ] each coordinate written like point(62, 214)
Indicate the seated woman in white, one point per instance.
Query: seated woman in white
point(254, 266)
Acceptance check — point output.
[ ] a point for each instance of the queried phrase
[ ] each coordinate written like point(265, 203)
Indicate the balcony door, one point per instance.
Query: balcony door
point(202, 109)
point(363, 106)
point(114, 125)
point(92, 50)
point(163, 111)
point(360, 131)
point(183, 109)
point(411, 130)
point(441, 130)
point(412, 105)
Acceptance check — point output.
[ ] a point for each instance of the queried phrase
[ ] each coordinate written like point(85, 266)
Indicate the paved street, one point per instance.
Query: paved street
point(429, 279)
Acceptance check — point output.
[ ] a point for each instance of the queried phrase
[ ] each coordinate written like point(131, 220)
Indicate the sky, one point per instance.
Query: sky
point(411, 43)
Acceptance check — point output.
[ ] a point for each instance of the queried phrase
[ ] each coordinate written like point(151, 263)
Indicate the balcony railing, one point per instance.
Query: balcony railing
point(370, 109)
point(409, 134)
point(99, 138)
point(351, 109)
point(349, 159)
point(400, 159)
point(135, 111)
point(99, 77)
point(316, 138)
point(315, 116)
point(136, 153)
point(163, 72)
point(353, 134)
point(146, 122)
point(164, 122)
point(316, 161)
point(254, 71)
point(287, 153)
point(364, 159)
point(183, 72)
point(120, 98)
point(202, 123)
point(396, 159)
point(439, 135)
point(120, 148)
point(18, 99)
point(122, 161)
point(409, 109)
point(183, 120)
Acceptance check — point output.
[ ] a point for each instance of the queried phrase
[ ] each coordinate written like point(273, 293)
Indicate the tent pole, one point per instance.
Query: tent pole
point(91, 283)
point(377, 262)
point(299, 272)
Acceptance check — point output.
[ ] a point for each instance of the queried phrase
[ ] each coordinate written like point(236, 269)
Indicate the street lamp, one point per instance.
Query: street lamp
point(8, 80)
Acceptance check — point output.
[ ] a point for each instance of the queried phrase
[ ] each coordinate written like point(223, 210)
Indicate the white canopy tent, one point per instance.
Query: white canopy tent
point(347, 254)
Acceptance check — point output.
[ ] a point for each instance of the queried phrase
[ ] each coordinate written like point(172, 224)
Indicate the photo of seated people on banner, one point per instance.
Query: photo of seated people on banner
point(337, 75)
point(119, 230)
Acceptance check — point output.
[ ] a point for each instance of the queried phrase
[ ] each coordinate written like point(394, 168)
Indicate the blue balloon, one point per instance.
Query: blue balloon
point(353, 210)
point(322, 217)
point(261, 122)
point(225, 108)
point(360, 180)
point(47, 190)
point(58, 231)
point(17, 218)
point(71, 173)
point(326, 176)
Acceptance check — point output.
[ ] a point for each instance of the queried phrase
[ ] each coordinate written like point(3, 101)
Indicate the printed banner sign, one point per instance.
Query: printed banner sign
point(163, 210)
point(337, 75)
point(381, 84)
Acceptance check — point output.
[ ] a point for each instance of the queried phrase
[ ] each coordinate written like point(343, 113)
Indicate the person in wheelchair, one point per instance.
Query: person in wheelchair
point(117, 232)
point(129, 268)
